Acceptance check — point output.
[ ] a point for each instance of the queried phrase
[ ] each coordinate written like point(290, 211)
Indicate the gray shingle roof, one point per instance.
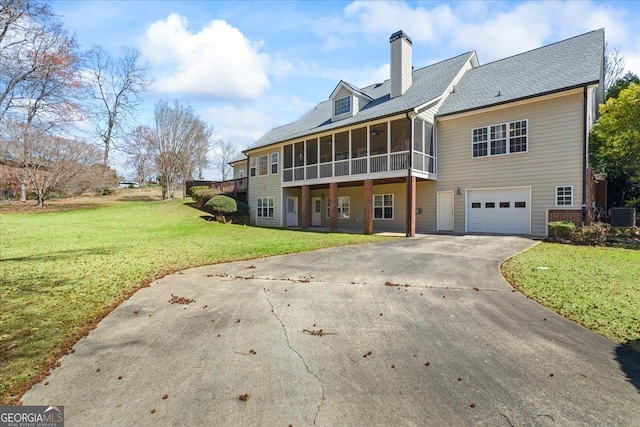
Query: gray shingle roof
point(570, 63)
point(428, 83)
point(238, 158)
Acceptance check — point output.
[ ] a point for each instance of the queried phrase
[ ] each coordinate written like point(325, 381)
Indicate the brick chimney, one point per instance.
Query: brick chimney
point(401, 64)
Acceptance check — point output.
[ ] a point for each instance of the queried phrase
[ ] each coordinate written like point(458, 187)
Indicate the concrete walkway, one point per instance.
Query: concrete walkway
point(453, 344)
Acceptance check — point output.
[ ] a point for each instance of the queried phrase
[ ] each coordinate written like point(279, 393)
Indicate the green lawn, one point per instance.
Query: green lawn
point(61, 272)
point(594, 286)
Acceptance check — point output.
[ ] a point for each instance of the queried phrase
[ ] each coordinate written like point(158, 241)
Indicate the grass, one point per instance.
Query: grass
point(63, 270)
point(597, 287)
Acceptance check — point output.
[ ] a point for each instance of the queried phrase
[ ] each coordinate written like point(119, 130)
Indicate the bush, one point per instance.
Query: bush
point(561, 230)
point(192, 190)
point(222, 205)
point(201, 197)
point(594, 235)
point(243, 208)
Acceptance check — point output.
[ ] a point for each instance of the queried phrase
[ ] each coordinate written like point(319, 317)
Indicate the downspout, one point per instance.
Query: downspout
point(585, 158)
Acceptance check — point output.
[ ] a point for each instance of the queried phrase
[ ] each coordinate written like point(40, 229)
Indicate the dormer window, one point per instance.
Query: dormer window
point(342, 106)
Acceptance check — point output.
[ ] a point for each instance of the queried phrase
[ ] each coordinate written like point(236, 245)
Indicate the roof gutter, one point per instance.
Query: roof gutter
point(524, 98)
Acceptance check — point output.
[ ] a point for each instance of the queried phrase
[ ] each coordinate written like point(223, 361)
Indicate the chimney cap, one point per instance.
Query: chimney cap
point(398, 35)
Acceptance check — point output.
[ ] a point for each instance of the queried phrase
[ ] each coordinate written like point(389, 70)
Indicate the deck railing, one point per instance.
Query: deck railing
point(388, 162)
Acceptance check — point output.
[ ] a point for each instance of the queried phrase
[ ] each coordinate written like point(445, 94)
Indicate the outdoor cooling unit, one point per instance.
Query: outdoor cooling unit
point(623, 217)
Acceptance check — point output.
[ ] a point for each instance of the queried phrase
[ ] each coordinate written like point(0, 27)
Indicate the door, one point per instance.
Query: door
point(499, 210)
point(445, 210)
point(316, 212)
point(292, 211)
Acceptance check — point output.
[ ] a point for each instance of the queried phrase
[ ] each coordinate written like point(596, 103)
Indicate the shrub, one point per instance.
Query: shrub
point(192, 190)
point(243, 208)
point(201, 197)
point(222, 205)
point(561, 230)
point(594, 235)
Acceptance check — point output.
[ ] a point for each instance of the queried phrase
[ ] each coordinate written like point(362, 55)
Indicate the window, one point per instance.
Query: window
point(265, 207)
point(274, 163)
point(564, 195)
point(502, 138)
point(498, 139)
point(476, 205)
point(489, 205)
point(520, 204)
point(505, 204)
point(252, 166)
point(480, 142)
point(241, 173)
point(383, 206)
point(343, 207)
point(342, 106)
point(263, 165)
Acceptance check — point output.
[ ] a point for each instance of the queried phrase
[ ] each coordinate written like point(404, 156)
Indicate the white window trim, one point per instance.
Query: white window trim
point(276, 163)
point(572, 196)
point(393, 207)
point(340, 207)
point(259, 171)
point(508, 139)
point(270, 204)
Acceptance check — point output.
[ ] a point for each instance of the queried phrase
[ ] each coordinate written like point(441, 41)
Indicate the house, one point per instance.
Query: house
point(452, 147)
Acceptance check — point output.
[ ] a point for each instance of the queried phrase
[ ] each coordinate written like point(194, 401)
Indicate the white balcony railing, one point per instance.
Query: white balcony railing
point(380, 163)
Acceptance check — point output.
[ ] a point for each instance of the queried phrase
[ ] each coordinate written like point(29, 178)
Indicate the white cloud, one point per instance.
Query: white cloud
point(218, 61)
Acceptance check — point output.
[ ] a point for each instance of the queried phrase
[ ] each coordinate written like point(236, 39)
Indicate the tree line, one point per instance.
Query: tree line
point(51, 91)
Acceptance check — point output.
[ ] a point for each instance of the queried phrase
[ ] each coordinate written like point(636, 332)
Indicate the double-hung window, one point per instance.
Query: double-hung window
point(501, 138)
point(265, 207)
point(263, 165)
point(564, 195)
point(252, 166)
point(274, 163)
point(383, 206)
point(344, 210)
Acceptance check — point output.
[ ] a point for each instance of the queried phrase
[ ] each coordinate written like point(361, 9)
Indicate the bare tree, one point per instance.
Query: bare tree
point(140, 157)
point(116, 86)
point(180, 136)
point(29, 35)
point(613, 66)
point(224, 152)
point(52, 161)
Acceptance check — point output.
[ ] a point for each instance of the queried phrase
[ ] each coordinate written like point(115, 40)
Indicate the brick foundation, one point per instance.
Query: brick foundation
point(572, 215)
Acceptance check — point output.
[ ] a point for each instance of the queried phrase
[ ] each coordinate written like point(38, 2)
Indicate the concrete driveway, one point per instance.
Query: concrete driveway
point(453, 344)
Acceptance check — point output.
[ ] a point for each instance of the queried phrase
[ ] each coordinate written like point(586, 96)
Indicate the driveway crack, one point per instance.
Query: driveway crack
point(304, 362)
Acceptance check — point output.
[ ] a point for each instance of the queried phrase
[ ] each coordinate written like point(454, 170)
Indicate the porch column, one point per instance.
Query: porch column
point(411, 206)
point(306, 207)
point(333, 205)
point(368, 206)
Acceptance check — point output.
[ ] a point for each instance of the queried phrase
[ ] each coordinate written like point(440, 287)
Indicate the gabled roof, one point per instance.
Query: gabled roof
point(350, 88)
point(239, 158)
point(571, 63)
point(428, 83)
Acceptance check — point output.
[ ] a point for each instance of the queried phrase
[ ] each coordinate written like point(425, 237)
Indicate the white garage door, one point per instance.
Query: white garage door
point(503, 210)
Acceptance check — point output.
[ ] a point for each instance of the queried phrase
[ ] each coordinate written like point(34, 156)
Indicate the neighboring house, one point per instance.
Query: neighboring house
point(454, 146)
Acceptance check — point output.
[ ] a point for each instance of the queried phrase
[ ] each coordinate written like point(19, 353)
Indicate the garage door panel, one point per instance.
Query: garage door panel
point(504, 211)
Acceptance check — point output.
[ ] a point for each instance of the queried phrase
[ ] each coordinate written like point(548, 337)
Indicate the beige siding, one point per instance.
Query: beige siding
point(401, 67)
point(426, 201)
point(266, 186)
point(240, 166)
point(554, 155)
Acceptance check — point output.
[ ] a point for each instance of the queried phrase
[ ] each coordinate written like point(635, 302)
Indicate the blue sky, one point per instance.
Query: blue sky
point(247, 67)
